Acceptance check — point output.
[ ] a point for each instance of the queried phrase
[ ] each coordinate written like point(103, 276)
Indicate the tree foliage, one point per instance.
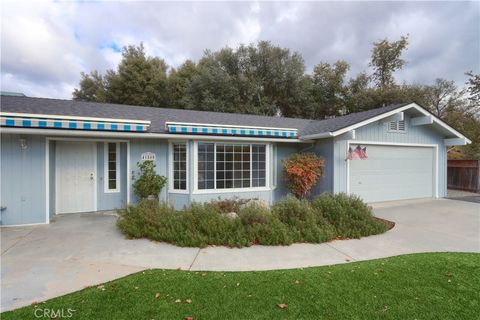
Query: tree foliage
point(265, 79)
point(386, 59)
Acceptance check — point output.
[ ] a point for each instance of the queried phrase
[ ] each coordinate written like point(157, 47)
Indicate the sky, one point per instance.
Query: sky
point(46, 45)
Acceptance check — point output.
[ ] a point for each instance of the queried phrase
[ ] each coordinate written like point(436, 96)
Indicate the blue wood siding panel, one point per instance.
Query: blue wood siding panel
point(324, 148)
point(160, 148)
point(23, 180)
point(378, 132)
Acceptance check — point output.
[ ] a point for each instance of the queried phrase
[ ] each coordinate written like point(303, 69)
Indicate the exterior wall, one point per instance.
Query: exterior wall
point(324, 148)
point(283, 151)
point(23, 181)
point(160, 148)
point(114, 200)
point(377, 132)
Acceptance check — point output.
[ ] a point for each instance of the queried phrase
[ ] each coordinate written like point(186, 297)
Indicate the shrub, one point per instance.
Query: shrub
point(149, 183)
point(290, 220)
point(350, 216)
point(262, 227)
point(303, 221)
point(229, 205)
point(302, 171)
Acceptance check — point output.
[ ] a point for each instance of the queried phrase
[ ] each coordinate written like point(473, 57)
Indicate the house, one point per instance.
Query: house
point(61, 156)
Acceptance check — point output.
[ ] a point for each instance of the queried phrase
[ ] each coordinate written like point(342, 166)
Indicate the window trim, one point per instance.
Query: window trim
point(397, 125)
point(171, 188)
point(105, 167)
point(195, 190)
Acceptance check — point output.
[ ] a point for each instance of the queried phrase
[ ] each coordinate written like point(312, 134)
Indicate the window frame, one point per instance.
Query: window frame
point(117, 168)
point(267, 186)
point(389, 129)
point(171, 188)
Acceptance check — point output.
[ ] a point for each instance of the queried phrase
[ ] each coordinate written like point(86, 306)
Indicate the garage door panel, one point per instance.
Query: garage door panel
point(393, 173)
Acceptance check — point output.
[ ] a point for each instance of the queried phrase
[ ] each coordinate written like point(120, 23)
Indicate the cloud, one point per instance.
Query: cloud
point(45, 46)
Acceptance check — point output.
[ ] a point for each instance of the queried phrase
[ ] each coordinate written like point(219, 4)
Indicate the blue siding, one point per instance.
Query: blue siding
point(179, 200)
point(160, 148)
point(23, 180)
point(377, 132)
point(324, 148)
point(283, 151)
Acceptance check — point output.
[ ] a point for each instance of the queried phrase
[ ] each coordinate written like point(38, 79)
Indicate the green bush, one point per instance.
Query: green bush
point(349, 215)
point(149, 183)
point(304, 223)
point(262, 227)
point(289, 220)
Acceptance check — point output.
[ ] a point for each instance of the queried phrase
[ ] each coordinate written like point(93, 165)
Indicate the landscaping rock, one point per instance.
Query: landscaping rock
point(231, 215)
point(256, 203)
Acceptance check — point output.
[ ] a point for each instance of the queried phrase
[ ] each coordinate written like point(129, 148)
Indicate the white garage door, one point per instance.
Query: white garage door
point(393, 173)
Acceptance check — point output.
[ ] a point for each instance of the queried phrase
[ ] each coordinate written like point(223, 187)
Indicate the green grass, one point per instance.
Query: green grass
point(419, 286)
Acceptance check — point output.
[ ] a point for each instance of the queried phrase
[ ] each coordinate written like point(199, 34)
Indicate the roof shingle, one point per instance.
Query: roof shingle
point(158, 116)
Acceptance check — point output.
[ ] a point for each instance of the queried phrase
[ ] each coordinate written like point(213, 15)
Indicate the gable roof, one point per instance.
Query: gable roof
point(158, 117)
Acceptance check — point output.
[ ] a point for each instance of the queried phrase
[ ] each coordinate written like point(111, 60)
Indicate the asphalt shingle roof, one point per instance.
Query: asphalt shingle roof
point(158, 116)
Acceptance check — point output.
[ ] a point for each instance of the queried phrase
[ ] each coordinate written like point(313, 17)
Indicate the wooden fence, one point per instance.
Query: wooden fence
point(464, 175)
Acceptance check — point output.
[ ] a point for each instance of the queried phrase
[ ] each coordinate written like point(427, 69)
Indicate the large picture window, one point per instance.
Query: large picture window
point(179, 166)
point(231, 165)
point(112, 166)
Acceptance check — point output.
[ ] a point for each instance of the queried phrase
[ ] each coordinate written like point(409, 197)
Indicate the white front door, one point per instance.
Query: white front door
point(75, 176)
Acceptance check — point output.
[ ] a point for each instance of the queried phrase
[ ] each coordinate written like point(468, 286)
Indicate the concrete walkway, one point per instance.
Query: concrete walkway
point(79, 250)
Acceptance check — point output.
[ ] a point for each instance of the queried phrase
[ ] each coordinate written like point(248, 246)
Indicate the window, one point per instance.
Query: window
point(179, 166)
point(206, 165)
point(112, 167)
point(396, 126)
point(231, 165)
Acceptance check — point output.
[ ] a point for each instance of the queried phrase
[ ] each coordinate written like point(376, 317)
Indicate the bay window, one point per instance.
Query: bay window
point(231, 165)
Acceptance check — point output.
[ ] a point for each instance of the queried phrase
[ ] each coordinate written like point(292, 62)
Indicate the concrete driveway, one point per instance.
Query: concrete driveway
point(79, 250)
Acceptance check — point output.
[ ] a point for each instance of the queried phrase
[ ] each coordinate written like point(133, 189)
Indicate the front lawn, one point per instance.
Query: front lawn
point(419, 286)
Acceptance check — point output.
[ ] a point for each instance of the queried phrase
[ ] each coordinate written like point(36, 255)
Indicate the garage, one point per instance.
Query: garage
point(393, 172)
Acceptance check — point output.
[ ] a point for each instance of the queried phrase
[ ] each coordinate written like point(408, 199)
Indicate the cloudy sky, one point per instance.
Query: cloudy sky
point(45, 45)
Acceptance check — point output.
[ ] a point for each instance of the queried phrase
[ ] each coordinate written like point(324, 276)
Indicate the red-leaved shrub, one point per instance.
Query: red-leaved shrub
point(302, 171)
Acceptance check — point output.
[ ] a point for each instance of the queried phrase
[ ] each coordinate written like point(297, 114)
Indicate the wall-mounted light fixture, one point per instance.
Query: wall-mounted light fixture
point(23, 144)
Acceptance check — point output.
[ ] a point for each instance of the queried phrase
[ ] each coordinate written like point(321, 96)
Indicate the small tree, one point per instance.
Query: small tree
point(302, 171)
point(149, 183)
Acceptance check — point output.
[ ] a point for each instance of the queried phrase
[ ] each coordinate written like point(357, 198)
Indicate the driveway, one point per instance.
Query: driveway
point(79, 250)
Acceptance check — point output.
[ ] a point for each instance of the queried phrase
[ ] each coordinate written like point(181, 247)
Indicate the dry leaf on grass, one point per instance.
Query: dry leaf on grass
point(188, 301)
point(157, 295)
point(178, 301)
point(282, 305)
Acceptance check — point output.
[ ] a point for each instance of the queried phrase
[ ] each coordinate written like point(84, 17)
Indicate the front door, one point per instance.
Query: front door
point(75, 176)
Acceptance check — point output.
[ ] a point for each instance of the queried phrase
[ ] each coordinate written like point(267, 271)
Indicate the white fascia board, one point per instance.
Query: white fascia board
point(145, 135)
point(223, 125)
point(420, 121)
point(455, 142)
point(54, 116)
